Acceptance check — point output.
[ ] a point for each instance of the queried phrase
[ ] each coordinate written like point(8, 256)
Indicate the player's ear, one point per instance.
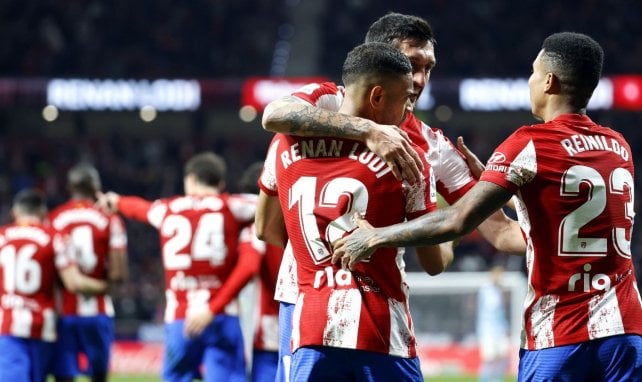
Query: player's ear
point(552, 84)
point(376, 96)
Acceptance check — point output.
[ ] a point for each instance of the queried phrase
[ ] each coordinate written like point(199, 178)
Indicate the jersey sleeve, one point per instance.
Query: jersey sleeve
point(142, 210)
point(452, 175)
point(62, 252)
point(117, 233)
point(247, 266)
point(326, 95)
point(243, 207)
point(514, 162)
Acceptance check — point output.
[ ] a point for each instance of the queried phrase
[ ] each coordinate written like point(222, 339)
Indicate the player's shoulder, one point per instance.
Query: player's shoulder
point(327, 95)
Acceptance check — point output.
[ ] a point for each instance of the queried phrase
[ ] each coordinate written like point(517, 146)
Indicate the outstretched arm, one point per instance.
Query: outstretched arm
point(292, 115)
point(499, 230)
point(442, 225)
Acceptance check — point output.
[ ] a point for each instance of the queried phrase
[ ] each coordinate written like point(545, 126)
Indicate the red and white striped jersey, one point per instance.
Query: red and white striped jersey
point(321, 183)
point(575, 185)
point(452, 175)
point(266, 333)
point(29, 258)
point(198, 240)
point(91, 235)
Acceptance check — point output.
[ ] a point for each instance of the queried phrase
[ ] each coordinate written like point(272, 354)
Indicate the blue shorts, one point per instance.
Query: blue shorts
point(264, 365)
point(24, 359)
point(321, 364)
point(91, 336)
point(286, 311)
point(617, 358)
point(219, 349)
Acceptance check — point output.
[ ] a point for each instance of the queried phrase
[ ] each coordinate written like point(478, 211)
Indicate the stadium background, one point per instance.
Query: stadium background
point(224, 46)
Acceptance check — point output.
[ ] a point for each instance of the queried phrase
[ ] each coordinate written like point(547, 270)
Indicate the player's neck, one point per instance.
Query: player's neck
point(203, 191)
point(28, 220)
point(554, 110)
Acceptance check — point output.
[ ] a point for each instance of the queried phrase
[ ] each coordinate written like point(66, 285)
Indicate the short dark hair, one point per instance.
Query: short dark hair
point(30, 202)
point(577, 60)
point(373, 60)
point(393, 27)
point(250, 178)
point(83, 178)
point(208, 168)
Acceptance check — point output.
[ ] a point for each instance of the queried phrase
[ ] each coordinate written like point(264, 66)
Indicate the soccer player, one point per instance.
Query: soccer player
point(99, 241)
point(351, 323)
point(312, 111)
point(32, 256)
point(255, 258)
point(574, 182)
point(266, 333)
point(199, 234)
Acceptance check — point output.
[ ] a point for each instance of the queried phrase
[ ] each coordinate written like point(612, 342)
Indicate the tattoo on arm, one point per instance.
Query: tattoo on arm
point(448, 223)
point(306, 120)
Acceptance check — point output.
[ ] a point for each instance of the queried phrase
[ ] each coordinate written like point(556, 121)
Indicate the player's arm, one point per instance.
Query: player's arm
point(132, 207)
point(75, 281)
point(117, 255)
point(269, 222)
point(499, 230)
point(476, 166)
point(247, 266)
point(503, 233)
point(439, 226)
point(118, 267)
point(292, 115)
point(435, 259)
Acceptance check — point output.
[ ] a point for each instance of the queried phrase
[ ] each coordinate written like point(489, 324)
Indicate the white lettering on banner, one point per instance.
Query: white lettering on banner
point(122, 94)
point(491, 94)
point(580, 143)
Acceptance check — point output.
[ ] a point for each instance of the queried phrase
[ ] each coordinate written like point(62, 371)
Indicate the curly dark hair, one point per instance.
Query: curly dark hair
point(577, 60)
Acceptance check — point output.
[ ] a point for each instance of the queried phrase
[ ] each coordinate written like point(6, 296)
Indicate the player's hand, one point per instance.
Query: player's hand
point(393, 145)
point(197, 322)
point(351, 249)
point(108, 202)
point(476, 166)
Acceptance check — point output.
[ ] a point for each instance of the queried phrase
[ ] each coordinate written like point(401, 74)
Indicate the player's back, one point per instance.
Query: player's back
point(91, 234)
point(577, 211)
point(199, 239)
point(322, 182)
point(27, 276)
